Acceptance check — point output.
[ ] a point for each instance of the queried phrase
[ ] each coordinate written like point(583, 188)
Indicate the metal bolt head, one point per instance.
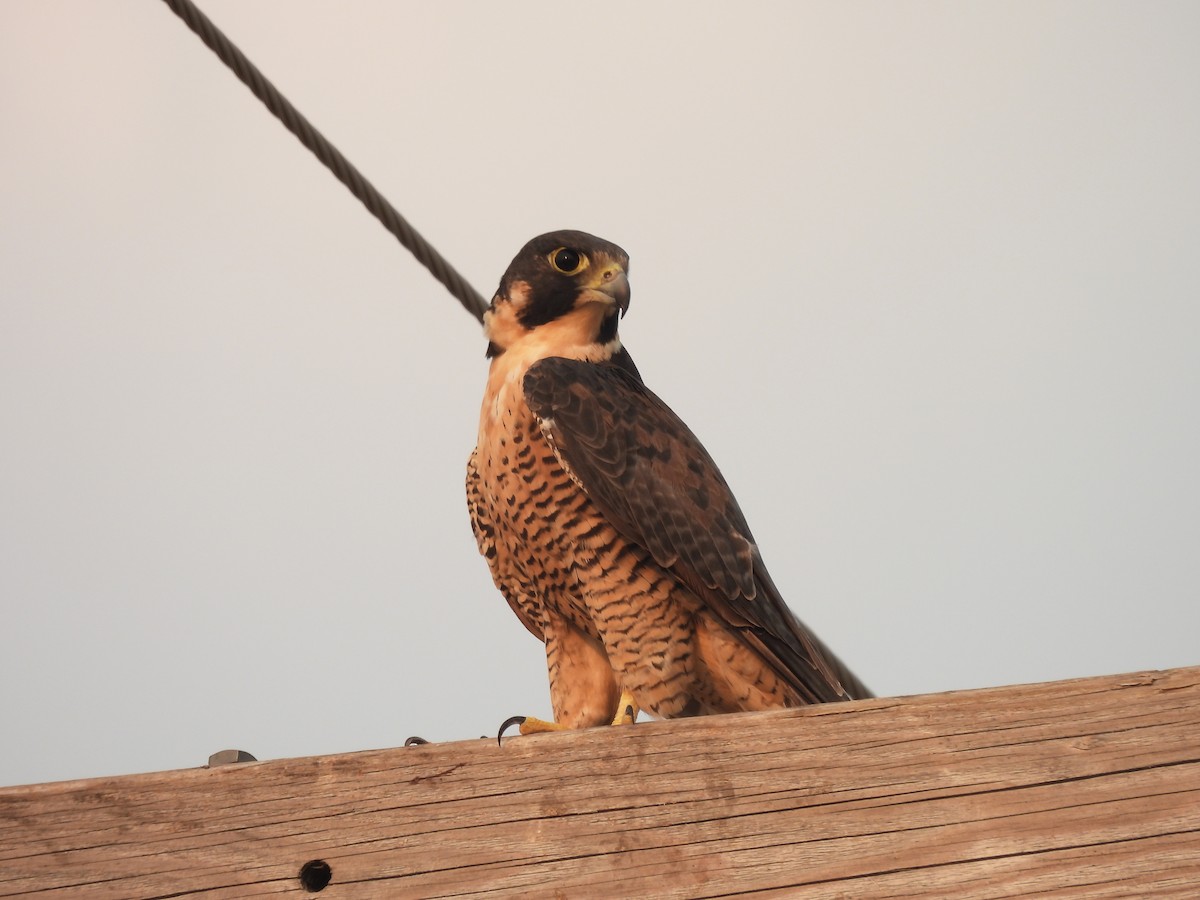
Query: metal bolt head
point(225, 757)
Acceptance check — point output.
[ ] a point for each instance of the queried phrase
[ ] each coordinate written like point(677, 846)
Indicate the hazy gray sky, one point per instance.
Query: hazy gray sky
point(923, 277)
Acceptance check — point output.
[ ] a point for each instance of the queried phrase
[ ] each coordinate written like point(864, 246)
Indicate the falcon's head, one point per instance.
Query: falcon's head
point(569, 279)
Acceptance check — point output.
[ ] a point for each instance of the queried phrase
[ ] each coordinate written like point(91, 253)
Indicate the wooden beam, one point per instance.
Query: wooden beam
point(1087, 788)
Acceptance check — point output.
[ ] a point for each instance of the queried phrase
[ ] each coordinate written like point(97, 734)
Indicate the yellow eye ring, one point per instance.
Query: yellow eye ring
point(567, 261)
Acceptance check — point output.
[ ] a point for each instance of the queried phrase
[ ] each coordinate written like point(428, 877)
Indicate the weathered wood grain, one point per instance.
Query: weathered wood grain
point(1084, 788)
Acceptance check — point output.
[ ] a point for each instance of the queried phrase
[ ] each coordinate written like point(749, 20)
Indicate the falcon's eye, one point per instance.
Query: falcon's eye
point(568, 261)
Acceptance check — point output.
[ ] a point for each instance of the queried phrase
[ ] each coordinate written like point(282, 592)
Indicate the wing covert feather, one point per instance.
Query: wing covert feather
point(645, 469)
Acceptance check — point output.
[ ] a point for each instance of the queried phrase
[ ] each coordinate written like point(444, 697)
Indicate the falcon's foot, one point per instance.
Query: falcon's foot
point(627, 710)
point(627, 713)
point(529, 725)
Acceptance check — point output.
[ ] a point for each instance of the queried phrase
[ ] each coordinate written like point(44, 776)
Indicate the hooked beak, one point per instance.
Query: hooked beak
point(613, 282)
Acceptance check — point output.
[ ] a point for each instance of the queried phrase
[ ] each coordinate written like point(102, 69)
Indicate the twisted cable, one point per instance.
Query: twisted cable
point(328, 154)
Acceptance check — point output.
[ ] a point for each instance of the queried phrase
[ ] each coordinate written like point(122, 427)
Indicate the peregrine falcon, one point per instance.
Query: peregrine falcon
point(607, 526)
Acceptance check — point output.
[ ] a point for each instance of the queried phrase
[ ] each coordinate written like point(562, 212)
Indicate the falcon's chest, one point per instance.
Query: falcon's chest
point(532, 519)
point(513, 457)
point(523, 488)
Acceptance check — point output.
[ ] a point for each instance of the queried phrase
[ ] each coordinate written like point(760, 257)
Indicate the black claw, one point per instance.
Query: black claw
point(509, 723)
point(415, 741)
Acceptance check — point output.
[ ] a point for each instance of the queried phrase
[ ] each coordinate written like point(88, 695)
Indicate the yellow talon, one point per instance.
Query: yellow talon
point(529, 725)
point(627, 713)
point(627, 710)
point(540, 726)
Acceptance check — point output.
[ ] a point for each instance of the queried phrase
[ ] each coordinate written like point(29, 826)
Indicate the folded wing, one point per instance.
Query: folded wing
point(657, 485)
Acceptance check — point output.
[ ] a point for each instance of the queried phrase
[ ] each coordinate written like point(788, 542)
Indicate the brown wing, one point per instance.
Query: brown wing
point(658, 486)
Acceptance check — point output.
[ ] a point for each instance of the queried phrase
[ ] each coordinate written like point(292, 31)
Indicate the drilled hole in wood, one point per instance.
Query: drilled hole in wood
point(315, 875)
